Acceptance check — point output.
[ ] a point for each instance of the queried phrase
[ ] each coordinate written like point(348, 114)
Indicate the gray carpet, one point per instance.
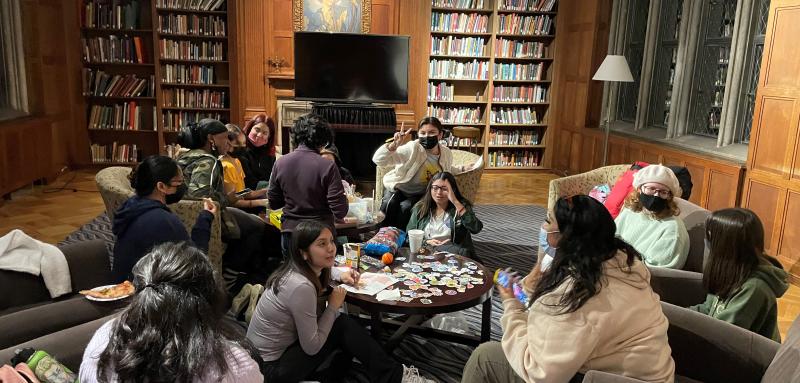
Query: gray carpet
point(509, 239)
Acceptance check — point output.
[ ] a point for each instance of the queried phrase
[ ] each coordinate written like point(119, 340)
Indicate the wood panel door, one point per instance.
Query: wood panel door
point(772, 185)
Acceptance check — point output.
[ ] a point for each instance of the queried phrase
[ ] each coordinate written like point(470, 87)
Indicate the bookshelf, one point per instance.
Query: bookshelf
point(150, 67)
point(490, 64)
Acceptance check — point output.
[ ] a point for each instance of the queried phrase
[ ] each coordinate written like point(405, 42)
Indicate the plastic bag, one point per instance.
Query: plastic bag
point(359, 210)
point(451, 322)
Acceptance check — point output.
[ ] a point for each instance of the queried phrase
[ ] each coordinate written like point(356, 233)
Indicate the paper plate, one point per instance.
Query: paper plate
point(91, 298)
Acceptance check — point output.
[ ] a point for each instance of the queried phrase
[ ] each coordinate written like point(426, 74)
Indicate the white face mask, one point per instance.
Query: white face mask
point(549, 251)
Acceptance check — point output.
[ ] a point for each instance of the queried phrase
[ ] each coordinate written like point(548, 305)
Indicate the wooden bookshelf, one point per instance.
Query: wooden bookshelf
point(198, 86)
point(513, 110)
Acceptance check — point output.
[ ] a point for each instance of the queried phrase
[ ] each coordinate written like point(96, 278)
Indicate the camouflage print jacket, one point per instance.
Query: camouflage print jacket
point(202, 173)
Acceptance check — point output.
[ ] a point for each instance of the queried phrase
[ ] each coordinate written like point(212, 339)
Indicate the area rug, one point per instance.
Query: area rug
point(508, 239)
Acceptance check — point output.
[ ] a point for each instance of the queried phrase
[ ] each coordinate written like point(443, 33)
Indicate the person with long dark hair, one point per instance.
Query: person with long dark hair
point(293, 339)
point(414, 162)
point(145, 220)
point(593, 308)
point(446, 217)
point(172, 331)
point(259, 157)
point(743, 282)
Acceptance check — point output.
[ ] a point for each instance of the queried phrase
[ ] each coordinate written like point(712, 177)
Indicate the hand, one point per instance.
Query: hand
point(436, 242)
point(451, 196)
point(398, 139)
point(257, 193)
point(209, 206)
point(232, 197)
point(505, 292)
point(350, 277)
point(336, 299)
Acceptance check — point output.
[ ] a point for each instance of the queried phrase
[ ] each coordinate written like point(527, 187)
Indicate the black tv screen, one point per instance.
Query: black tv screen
point(345, 67)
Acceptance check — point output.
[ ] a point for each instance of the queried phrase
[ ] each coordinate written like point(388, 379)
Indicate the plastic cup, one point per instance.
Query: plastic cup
point(415, 238)
point(351, 253)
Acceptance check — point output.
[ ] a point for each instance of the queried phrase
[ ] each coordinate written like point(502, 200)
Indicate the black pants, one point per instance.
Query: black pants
point(348, 337)
point(397, 208)
point(242, 251)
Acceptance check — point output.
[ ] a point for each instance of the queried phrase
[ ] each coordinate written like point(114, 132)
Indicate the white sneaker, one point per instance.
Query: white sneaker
point(411, 375)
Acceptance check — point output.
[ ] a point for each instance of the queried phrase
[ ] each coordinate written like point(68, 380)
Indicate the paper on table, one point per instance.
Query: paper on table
point(371, 283)
point(388, 295)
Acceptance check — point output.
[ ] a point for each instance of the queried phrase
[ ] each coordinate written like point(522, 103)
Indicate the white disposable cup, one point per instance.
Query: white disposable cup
point(415, 238)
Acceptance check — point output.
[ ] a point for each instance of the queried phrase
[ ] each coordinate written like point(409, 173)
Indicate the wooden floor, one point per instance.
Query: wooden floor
point(49, 214)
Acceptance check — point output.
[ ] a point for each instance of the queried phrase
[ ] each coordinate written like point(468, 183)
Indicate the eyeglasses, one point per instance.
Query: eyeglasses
point(649, 190)
point(438, 188)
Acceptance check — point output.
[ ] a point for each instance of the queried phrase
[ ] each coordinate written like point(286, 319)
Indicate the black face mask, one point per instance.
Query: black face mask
point(177, 196)
point(652, 202)
point(429, 142)
point(238, 151)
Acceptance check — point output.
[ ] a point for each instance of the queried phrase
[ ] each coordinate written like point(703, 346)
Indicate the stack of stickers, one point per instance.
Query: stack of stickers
point(423, 280)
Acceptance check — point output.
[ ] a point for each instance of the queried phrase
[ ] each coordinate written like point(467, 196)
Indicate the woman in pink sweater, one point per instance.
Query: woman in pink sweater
point(592, 309)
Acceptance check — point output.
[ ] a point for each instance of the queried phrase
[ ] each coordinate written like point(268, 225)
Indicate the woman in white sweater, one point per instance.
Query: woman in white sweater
point(415, 162)
point(592, 309)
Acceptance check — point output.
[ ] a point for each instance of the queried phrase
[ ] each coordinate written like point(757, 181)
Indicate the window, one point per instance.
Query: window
point(13, 92)
point(697, 86)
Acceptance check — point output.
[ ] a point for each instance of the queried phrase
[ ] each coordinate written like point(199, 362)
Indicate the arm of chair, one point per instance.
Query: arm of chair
point(594, 376)
point(580, 183)
point(89, 264)
point(678, 287)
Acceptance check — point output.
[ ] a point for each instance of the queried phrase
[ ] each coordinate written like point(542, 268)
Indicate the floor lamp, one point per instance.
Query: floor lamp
point(613, 69)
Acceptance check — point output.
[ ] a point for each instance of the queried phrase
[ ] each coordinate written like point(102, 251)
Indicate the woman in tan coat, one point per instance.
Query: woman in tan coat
point(592, 309)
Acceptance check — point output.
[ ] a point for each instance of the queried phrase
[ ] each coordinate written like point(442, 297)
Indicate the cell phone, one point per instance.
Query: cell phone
point(243, 192)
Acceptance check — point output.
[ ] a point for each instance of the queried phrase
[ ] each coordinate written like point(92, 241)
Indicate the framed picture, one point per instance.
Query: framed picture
point(332, 15)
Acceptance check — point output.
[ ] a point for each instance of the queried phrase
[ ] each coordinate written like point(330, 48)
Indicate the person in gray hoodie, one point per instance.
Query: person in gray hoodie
point(744, 284)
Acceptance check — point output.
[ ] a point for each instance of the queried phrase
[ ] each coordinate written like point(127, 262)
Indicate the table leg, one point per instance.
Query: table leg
point(486, 320)
point(376, 324)
point(397, 337)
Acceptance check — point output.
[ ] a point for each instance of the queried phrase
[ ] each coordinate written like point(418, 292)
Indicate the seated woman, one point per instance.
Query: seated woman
point(202, 170)
point(415, 162)
point(593, 308)
point(233, 174)
point(446, 217)
point(172, 330)
point(649, 219)
point(144, 220)
point(259, 157)
point(743, 282)
point(292, 339)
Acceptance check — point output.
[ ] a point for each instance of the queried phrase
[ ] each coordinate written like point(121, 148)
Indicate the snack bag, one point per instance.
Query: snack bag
point(507, 278)
point(387, 240)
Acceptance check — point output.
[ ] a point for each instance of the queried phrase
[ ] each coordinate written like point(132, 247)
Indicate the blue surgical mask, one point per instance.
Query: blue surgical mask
point(549, 251)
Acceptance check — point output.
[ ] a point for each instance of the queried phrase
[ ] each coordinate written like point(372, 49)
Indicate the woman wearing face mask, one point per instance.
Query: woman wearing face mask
point(446, 217)
point(649, 219)
point(415, 162)
point(144, 220)
point(259, 156)
point(234, 176)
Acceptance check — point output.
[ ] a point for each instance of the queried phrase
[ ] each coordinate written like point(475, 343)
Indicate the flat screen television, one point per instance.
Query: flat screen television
point(347, 67)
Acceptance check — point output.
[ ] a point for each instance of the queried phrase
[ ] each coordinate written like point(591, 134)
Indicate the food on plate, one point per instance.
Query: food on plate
point(116, 291)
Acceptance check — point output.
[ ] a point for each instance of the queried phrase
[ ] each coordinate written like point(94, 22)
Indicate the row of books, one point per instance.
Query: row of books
point(527, 5)
point(194, 98)
point(113, 49)
point(455, 142)
point(514, 116)
point(459, 22)
point(524, 93)
point(513, 137)
point(187, 74)
point(514, 158)
point(509, 71)
point(525, 25)
point(100, 14)
point(172, 120)
point(520, 49)
point(458, 3)
point(458, 46)
point(192, 25)
point(452, 69)
point(195, 5)
point(456, 115)
point(189, 50)
point(100, 83)
point(440, 92)
point(128, 153)
point(123, 116)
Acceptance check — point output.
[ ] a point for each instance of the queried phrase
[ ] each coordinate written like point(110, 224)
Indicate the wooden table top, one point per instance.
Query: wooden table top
point(421, 276)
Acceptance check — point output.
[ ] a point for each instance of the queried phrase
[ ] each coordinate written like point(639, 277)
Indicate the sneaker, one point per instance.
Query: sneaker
point(241, 300)
point(411, 375)
point(255, 294)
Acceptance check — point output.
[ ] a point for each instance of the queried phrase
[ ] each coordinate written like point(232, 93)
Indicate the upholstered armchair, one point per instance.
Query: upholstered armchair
point(468, 181)
point(583, 183)
point(115, 188)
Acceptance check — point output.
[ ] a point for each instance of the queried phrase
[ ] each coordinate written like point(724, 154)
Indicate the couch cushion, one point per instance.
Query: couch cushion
point(786, 365)
point(694, 218)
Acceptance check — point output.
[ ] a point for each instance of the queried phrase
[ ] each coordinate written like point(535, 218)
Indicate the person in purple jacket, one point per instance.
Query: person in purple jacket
point(303, 183)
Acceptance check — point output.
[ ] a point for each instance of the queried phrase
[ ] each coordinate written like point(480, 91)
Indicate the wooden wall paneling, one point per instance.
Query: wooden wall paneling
point(699, 179)
point(384, 17)
point(719, 194)
point(766, 201)
point(771, 145)
point(413, 19)
point(251, 52)
point(790, 236)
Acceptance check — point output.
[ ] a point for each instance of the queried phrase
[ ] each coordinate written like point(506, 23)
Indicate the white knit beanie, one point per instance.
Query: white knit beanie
point(660, 174)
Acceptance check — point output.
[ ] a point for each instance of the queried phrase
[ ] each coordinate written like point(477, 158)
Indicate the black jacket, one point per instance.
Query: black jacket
point(142, 223)
point(257, 165)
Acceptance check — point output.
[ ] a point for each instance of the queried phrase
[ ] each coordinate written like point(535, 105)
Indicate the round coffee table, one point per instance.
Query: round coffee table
point(415, 312)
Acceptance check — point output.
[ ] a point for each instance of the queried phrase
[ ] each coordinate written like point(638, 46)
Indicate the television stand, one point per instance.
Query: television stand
point(358, 118)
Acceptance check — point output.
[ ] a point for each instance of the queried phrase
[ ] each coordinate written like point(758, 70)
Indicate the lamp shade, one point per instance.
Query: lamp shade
point(614, 68)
